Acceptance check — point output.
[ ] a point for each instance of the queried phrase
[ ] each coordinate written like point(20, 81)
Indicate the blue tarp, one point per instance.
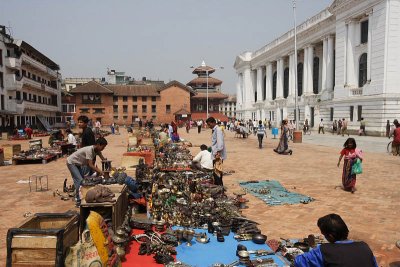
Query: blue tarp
point(204, 255)
point(273, 193)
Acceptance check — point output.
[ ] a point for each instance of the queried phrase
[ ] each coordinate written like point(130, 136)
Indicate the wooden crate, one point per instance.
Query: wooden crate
point(11, 150)
point(42, 240)
point(115, 210)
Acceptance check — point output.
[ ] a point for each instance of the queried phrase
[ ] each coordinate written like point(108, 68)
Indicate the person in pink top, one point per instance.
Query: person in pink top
point(350, 154)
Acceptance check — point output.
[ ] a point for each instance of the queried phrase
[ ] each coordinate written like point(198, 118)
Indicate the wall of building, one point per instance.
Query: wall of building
point(177, 98)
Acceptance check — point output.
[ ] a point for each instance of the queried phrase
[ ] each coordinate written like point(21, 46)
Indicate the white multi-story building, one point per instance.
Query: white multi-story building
point(347, 67)
point(228, 106)
point(29, 85)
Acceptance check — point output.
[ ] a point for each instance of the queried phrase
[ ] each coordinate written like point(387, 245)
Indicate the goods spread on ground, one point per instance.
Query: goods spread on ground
point(167, 213)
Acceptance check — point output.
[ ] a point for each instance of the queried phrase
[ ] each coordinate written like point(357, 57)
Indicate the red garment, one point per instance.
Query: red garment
point(28, 132)
point(396, 138)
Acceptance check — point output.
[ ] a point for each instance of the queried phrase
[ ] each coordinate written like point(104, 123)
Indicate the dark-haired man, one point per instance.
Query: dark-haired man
point(218, 151)
point(339, 251)
point(87, 137)
point(203, 161)
point(81, 163)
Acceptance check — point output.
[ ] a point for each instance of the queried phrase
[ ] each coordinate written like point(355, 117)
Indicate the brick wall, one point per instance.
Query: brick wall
point(177, 98)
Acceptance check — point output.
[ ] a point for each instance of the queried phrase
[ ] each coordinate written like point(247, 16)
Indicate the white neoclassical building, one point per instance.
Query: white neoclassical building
point(347, 67)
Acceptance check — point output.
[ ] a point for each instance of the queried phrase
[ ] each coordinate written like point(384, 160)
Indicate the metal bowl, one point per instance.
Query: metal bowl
point(259, 238)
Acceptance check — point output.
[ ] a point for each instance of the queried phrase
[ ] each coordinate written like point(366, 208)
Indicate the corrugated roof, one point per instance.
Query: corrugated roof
point(134, 90)
point(91, 87)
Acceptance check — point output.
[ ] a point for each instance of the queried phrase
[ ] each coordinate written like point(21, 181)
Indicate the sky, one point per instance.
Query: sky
point(157, 39)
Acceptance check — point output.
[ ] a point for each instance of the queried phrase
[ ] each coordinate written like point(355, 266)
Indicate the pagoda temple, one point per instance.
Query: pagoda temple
point(203, 83)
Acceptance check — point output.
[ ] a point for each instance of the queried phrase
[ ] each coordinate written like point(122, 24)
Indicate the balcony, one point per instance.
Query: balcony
point(51, 90)
point(38, 66)
point(12, 62)
point(33, 84)
point(23, 105)
point(13, 82)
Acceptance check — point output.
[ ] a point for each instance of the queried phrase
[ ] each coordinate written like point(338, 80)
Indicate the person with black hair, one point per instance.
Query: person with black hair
point(340, 251)
point(203, 161)
point(81, 163)
point(350, 154)
point(87, 136)
point(218, 150)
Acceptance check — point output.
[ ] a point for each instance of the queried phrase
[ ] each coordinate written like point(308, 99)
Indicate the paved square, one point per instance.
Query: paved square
point(372, 213)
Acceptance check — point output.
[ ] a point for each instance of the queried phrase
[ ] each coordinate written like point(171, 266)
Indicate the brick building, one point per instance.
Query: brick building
point(124, 104)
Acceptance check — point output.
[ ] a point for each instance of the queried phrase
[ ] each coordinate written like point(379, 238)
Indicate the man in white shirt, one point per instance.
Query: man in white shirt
point(218, 150)
point(321, 127)
point(71, 138)
point(199, 125)
point(203, 160)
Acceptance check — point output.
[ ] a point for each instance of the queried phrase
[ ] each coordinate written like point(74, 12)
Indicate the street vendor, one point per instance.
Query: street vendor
point(339, 251)
point(80, 164)
point(203, 160)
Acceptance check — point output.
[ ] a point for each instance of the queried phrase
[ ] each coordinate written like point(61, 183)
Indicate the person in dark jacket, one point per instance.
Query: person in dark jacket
point(339, 251)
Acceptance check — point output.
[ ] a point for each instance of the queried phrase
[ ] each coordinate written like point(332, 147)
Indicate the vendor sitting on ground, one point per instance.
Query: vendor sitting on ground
point(339, 251)
point(56, 135)
point(203, 160)
point(244, 131)
point(80, 164)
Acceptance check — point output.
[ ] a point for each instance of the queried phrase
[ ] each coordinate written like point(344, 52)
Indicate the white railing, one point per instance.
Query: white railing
point(51, 90)
point(39, 66)
point(12, 62)
point(32, 83)
point(356, 92)
point(37, 106)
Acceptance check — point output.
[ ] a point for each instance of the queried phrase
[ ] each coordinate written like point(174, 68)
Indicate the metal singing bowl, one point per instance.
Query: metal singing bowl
point(259, 238)
point(243, 254)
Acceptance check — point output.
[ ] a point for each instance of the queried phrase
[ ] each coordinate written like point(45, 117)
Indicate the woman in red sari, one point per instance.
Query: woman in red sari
point(350, 154)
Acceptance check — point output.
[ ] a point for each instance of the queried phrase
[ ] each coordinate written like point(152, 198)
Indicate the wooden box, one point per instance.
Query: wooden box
point(35, 144)
point(114, 210)
point(11, 150)
point(42, 240)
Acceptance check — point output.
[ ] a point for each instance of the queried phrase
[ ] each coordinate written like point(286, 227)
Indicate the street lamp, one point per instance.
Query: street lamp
point(297, 115)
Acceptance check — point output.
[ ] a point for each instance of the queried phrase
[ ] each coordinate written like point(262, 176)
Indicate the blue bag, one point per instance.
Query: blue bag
point(357, 167)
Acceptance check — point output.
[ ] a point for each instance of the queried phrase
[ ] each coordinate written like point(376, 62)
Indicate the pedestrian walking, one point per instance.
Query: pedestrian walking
point(321, 127)
point(199, 124)
point(334, 127)
point(260, 133)
point(344, 127)
point(283, 147)
point(388, 129)
point(218, 150)
point(362, 127)
point(339, 129)
point(350, 154)
point(396, 139)
point(187, 126)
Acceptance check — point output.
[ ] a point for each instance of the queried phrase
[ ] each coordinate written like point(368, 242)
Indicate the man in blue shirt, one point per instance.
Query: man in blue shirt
point(339, 251)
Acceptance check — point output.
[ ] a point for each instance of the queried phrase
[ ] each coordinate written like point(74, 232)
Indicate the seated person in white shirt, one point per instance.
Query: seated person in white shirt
point(203, 160)
point(71, 138)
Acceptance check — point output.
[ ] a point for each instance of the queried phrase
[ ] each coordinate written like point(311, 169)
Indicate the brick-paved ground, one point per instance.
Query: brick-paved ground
point(372, 213)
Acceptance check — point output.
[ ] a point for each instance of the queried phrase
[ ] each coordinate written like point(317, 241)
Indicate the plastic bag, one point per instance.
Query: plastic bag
point(84, 253)
point(357, 167)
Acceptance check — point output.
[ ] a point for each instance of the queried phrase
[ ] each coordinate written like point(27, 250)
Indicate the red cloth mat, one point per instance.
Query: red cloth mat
point(135, 260)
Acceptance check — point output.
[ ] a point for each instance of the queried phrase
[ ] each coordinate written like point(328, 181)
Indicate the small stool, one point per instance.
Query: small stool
point(38, 178)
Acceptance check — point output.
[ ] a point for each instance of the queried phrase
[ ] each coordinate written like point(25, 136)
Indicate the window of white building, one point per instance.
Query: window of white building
point(364, 32)
point(362, 70)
